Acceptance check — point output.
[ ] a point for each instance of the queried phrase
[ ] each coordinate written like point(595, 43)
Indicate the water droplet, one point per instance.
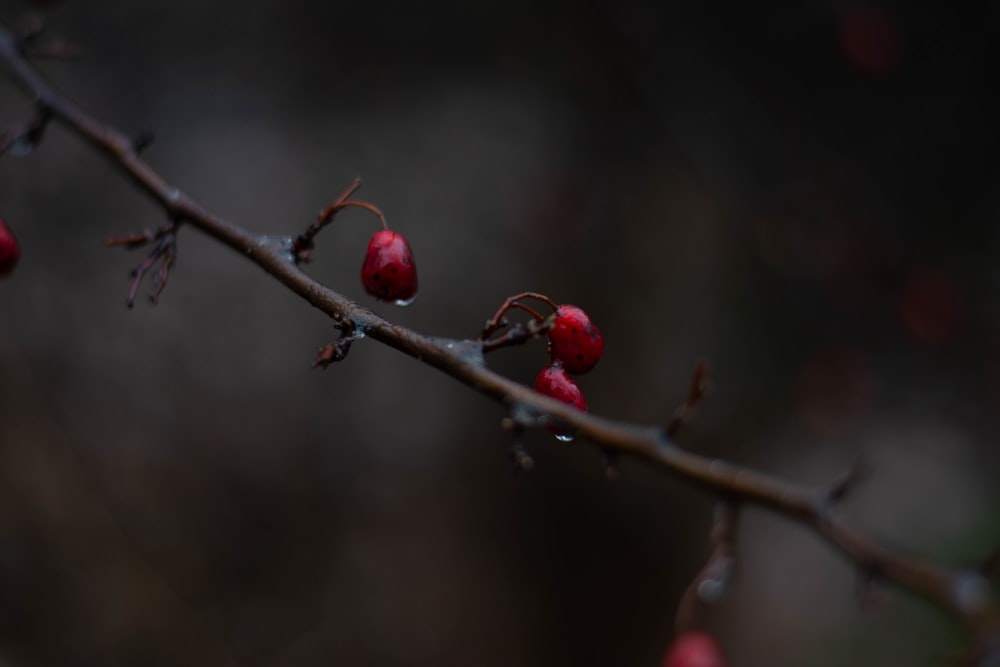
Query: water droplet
point(711, 590)
point(403, 303)
point(174, 194)
point(562, 437)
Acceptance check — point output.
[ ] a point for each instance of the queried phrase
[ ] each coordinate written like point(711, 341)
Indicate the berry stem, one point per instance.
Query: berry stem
point(528, 309)
point(368, 207)
point(519, 334)
point(304, 243)
point(497, 322)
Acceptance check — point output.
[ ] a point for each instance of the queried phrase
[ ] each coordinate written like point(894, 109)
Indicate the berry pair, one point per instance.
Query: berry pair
point(10, 252)
point(575, 346)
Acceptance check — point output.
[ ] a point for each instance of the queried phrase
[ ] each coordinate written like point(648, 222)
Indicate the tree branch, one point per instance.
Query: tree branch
point(964, 593)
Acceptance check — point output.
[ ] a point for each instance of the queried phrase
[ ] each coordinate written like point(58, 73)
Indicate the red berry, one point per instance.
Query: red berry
point(694, 649)
point(556, 383)
point(10, 252)
point(389, 273)
point(574, 340)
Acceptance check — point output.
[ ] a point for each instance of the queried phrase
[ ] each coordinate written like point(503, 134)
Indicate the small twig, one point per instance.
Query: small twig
point(338, 349)
point(713, 580)
point(142, 141)
point(518, 334)
point(841, 487)
point(696, 392)
point(22, 139)
point(522, 460)
point(518, 454)
point(498, 322)
point(164, 253)
point(305, 243)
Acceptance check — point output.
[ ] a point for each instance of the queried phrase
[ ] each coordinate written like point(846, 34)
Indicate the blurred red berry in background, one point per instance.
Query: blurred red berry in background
point(870, 40)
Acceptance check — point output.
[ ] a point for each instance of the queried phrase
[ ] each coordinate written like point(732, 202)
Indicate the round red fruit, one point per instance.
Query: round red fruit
point(389, 273)
point(574, 340)
point(694, 649)
point(554, 381)
point(10, 251)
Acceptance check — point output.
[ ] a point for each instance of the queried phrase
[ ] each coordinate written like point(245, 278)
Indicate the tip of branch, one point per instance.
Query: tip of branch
point(333, 352)
point(522, 460)
point(697, 390)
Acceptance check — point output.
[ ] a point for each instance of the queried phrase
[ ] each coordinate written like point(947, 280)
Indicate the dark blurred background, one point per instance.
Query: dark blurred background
point(803, 193)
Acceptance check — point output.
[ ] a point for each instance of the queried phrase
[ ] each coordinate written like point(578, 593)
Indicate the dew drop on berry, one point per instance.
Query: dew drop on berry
point(403, 303)
point(562, 437)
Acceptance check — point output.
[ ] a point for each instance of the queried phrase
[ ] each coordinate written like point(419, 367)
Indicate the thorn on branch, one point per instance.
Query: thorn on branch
point(696, 392)
point(838, 491)
point(142, 141)
point(846, 482)
point(163, 254)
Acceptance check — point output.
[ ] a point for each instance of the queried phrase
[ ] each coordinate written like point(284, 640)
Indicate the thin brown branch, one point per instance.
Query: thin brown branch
point(958, 591)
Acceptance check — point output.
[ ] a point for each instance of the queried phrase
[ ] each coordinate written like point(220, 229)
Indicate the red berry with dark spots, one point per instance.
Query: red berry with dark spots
point(694, 649)
point(10, 252)
point(389, 273)
point(556, 383)
point(574, 340)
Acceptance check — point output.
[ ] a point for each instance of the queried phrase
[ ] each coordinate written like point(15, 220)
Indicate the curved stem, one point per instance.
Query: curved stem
point(305, 242)
point(497, 322)
point(958, 591)
point(368, 207)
